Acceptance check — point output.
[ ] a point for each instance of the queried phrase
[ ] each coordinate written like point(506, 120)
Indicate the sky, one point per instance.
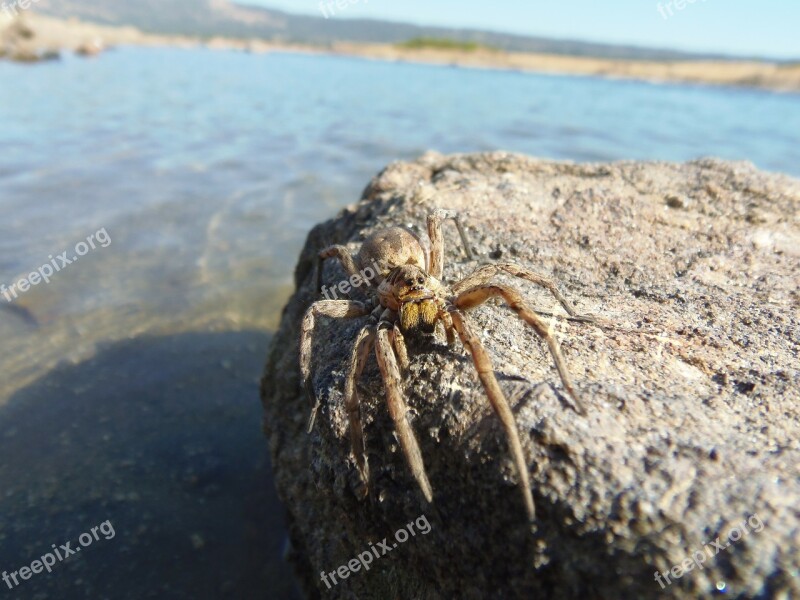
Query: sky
point(769, 28)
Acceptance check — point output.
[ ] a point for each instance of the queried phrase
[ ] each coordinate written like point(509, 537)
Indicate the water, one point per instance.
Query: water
point(208, 168)
point(137, 365)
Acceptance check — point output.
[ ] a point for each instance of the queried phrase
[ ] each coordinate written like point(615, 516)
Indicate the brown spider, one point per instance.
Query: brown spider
point(407, 298)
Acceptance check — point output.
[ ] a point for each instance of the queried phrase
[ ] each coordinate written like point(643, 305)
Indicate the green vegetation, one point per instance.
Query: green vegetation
point(425, 43)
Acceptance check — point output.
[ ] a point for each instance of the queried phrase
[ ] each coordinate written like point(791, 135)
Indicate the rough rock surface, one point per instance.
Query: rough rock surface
point(692, 391)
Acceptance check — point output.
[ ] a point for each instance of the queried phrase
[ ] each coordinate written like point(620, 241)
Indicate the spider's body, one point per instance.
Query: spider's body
point(407, 299)
point(393, 247)
point(413, 294)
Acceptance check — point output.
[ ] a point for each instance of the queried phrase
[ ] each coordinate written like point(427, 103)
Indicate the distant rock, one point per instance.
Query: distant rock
point(19, 42)
point(693, 392)
point(92, 48)
point(32, 37)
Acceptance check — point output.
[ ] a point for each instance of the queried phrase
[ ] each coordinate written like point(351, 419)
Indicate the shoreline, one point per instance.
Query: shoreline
point(742, 74)
point(34, 37)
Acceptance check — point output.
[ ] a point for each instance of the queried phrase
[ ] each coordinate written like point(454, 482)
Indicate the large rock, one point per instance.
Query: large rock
point(692, 390)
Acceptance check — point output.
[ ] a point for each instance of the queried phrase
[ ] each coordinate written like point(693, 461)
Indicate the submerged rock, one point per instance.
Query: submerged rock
point(687, 463)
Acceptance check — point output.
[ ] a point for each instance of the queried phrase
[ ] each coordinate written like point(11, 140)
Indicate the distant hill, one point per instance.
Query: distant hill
point(206, 18)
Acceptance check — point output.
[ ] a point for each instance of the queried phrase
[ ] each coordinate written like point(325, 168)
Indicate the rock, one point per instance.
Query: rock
point(691, 386)
point(25, 55)
point(19, 43)
point(91, 48)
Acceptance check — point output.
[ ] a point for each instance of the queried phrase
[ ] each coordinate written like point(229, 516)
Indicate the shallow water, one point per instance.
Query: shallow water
point(206, 170)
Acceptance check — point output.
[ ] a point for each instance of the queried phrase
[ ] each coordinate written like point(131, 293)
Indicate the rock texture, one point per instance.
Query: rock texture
point(691, 383)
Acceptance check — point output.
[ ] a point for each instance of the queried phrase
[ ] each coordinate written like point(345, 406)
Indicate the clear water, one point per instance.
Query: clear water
point(207, 169)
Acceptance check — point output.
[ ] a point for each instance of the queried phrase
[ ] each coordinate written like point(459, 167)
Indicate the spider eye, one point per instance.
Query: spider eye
point(409, 282)
point(420, 280)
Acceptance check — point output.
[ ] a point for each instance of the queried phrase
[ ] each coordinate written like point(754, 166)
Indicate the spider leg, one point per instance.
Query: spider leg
point(400, 349)
point(390, 372)
point(340, 252)
point(436, 263)
point(342, 309)
point(361, 349)
point(447, 322)
point(483, 365)
point(485, 273)
point(480, 294)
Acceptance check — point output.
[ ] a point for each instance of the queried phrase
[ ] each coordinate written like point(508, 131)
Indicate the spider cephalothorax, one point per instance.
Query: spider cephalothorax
point(407, 298)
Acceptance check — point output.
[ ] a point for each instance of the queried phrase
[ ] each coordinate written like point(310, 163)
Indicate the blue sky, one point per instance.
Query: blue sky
point(744, 27)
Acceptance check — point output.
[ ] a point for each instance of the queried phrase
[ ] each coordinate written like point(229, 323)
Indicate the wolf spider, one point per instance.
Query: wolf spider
point(409, 300)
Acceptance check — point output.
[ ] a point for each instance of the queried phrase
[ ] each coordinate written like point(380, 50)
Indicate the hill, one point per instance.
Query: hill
point(207, 18)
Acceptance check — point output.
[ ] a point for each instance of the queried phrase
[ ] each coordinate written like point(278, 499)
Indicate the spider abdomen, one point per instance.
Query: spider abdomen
point(392, 247)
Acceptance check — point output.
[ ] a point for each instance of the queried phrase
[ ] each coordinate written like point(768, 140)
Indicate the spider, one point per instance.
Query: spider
point(407, 299)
